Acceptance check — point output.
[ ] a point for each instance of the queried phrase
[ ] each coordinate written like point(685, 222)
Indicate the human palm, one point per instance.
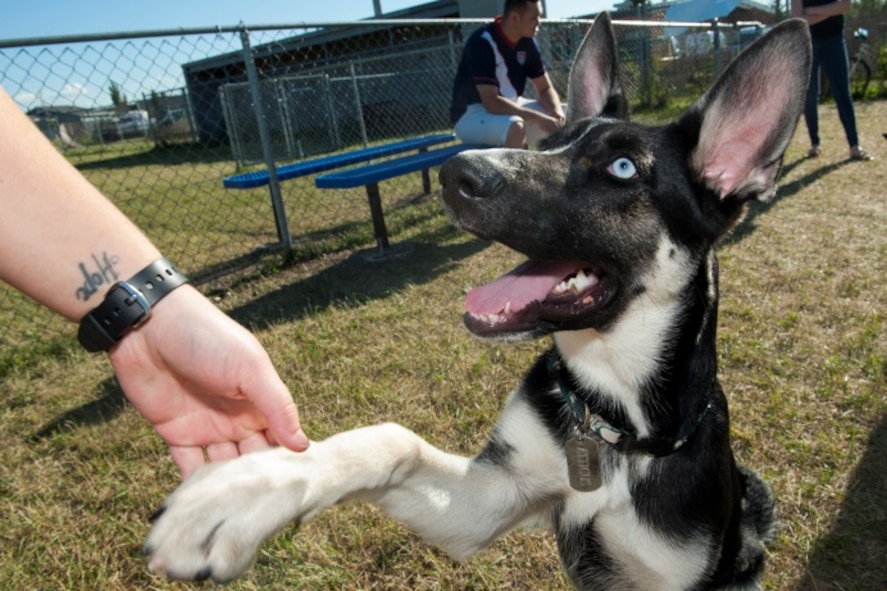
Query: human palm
point(205, 383)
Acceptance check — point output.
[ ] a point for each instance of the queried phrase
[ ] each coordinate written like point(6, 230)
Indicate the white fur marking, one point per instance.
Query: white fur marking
point(621, 361)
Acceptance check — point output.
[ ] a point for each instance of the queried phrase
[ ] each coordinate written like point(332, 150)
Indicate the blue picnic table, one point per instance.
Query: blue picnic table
point(260, 178)
point(368, 175)
point(371, 175)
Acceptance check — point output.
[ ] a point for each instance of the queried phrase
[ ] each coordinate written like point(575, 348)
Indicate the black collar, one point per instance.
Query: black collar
point(621, 439)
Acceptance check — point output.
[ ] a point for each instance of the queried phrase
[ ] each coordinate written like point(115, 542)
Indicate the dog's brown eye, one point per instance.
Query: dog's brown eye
point(623, 168)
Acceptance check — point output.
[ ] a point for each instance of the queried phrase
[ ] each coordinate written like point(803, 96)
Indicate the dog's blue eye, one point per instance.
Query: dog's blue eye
point(623, 168)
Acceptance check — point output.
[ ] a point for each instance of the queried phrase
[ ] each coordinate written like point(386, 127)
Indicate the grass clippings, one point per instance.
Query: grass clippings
point(802, 344)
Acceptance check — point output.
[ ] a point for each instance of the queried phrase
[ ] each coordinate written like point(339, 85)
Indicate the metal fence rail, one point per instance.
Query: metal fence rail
point(156, 119)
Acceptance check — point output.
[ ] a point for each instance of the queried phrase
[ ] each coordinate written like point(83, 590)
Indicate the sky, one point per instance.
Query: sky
point(65, 17)
point(78, 74)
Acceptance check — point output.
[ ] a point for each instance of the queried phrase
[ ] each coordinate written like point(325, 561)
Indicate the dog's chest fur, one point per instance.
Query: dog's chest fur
point(619, 223)
point(613, 537)
point(609, 538)
point(619, 536)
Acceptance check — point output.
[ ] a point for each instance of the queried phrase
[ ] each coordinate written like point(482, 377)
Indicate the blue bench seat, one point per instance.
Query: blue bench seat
point(261, 178)
point(371, 175)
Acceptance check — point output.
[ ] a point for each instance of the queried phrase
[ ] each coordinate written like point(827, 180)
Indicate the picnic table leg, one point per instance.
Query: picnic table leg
point(379, 230)
point(426, 181)
point(426, 178)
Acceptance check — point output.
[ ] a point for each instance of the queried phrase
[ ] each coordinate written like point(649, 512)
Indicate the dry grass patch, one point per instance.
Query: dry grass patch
point(802, 345)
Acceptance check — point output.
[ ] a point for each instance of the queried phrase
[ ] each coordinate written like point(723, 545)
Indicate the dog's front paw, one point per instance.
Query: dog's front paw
point(212, 525)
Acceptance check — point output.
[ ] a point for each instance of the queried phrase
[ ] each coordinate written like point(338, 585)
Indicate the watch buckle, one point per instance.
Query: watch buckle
point(135, 297)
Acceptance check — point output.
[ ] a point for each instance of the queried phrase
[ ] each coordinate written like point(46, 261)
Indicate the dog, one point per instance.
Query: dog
point(617, 440)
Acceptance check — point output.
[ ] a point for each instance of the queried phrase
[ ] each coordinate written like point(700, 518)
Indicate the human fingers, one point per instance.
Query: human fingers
point(551, 124)
point(281, 425)
point(187, 458)
point(272, 398)
point(218, 452)
point(256, 442)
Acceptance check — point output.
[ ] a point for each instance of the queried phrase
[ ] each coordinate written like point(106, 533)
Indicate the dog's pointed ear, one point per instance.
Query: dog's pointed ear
point(594, 88)
point(747, 119)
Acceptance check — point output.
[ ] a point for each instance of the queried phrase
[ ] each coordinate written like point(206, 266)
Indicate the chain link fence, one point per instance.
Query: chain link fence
point(156, 121)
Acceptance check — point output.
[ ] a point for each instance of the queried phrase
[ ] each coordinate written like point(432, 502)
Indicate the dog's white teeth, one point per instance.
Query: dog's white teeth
point(563, 287)
point(576, 284)
point(499, 318)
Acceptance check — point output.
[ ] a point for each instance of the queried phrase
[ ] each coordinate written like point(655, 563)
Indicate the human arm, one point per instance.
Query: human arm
point(817, 14)
point(480, 66)
point(496, 104)
point(201, 379)
point(549, 98)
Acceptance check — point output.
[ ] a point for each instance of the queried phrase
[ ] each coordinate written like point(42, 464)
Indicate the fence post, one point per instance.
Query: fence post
point(646, 67)
point(233, 127)
point(331, 109)
point(363, 126)
point(265, 136)
point(454, 61)
point(646, 64)
point(186, 102)
point(716, 40)
point(286, 120)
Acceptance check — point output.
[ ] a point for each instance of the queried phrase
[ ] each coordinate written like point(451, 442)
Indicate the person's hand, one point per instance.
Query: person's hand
point(205, 383)
point(549, 124)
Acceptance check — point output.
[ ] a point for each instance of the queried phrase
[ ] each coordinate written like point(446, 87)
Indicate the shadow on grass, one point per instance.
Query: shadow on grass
point(790, 189)
point(166, 155)
point(853, 555)
point(354, 281)
point(313, 244)
point(108, 405)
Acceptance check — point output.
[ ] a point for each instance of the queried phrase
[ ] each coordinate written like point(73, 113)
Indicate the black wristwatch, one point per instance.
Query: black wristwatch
point(127, 305)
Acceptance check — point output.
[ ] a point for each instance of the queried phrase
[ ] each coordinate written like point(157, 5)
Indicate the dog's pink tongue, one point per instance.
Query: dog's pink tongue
point(527, 283)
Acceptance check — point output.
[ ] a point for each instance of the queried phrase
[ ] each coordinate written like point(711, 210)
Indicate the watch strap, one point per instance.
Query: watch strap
point(127, 305)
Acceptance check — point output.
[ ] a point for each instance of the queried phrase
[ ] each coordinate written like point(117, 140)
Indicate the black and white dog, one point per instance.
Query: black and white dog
point(618, 438)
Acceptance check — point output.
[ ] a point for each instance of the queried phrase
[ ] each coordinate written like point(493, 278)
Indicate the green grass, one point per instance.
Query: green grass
point(803, 360)
point(175, 195)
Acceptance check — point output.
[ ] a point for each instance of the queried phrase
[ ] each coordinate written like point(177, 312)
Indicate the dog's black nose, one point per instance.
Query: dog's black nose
point(469, 176)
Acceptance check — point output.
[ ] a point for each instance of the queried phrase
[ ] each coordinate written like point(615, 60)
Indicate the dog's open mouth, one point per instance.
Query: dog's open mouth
point(554, 292)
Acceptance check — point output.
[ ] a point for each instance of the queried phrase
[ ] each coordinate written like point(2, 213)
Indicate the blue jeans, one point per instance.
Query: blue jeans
point(830, 54)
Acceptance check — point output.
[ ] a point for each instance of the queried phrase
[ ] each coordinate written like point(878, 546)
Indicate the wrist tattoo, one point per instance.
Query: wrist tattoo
point(100, 272)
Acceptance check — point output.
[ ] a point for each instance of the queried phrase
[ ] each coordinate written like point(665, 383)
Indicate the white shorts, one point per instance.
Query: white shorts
point(477, 126)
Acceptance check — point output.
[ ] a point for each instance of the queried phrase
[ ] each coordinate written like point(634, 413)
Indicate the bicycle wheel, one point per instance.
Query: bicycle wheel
point(860, 76)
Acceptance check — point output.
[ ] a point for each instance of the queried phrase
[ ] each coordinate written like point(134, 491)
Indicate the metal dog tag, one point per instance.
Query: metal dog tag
point(583, 462)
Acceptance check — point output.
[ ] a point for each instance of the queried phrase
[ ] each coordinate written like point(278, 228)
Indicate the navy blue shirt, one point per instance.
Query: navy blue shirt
point(833, 26)
point(489, 58)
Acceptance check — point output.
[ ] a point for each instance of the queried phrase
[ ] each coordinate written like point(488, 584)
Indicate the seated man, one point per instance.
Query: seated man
point(488, 106)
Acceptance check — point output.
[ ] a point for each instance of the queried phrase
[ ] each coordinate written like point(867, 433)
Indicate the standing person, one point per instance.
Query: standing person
point(202, 380)
point(488, 106)
point(826, 21)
